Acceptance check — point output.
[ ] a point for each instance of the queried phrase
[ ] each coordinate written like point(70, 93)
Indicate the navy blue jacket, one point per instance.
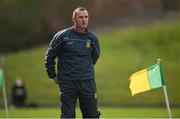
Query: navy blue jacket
point(76, 55)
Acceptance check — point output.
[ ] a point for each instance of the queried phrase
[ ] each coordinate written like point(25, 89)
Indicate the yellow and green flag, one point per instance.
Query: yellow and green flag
point(147, 79)
point(1, 77)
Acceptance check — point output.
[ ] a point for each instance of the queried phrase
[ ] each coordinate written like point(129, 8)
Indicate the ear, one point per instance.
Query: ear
point(73, 20)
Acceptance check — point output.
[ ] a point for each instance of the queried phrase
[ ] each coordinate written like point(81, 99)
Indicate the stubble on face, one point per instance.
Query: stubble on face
point(81, 20)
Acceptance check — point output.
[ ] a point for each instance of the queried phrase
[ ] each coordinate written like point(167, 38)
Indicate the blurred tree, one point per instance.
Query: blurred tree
point(21, 24)
point(27, 23)
point(170, 5)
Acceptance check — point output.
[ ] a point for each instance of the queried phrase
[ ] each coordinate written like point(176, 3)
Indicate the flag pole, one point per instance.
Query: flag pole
point(166, 97)
point(167, 101)
point(5, 98)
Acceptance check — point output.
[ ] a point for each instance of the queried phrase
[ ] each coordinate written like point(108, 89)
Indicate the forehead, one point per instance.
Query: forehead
point(82, 13)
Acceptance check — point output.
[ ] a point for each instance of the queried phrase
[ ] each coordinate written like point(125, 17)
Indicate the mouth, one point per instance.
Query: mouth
point(84, 23)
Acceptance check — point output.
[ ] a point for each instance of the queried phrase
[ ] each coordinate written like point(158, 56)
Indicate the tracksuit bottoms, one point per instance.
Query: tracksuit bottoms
point(85, 91)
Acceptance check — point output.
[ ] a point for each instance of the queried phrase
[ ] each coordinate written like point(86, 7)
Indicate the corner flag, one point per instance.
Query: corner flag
point(2, 84)
point(147, 79)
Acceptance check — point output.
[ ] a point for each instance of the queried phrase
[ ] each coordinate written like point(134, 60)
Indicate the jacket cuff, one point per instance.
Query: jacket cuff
point(52, 76)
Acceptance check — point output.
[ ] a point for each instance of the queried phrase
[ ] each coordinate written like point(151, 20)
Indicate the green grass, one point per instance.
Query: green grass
point(105, 113)
point(123, 51)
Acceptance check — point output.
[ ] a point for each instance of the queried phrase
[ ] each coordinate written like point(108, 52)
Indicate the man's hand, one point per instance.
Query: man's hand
point(55, 80)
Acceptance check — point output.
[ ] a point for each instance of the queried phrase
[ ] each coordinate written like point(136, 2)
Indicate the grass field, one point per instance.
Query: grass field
point(106, 113)
point(123, 51)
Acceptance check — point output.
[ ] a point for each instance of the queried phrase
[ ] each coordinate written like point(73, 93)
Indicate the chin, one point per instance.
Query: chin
point(84, 27)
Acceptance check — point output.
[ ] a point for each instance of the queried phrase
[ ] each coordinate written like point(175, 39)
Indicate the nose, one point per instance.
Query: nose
point(84, 18)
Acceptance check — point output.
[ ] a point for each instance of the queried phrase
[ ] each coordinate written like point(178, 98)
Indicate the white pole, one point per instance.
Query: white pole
point(167, 101)
point(5, 98)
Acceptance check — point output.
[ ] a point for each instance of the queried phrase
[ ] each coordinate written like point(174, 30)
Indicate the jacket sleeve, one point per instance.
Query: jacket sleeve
point(51, 55)
point(96, 50)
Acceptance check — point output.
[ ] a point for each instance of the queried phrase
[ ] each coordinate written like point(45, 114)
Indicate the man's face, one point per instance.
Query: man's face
point(81, 19)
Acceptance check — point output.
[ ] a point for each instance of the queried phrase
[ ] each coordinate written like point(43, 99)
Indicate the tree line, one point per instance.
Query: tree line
point(28, 23)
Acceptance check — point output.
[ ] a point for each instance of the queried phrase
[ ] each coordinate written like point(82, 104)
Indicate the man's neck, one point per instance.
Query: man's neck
point(80, 30)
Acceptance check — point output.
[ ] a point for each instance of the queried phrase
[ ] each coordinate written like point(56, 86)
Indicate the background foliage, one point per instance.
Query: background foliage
point(27, 23)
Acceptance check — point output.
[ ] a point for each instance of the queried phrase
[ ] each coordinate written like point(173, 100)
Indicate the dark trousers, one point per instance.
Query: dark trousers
point(85, 91)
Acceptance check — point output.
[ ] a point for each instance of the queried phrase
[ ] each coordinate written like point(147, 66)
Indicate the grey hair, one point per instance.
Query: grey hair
point(77, 10)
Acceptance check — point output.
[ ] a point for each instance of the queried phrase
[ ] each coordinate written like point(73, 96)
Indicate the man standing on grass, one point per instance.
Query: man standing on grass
point(77, 50)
